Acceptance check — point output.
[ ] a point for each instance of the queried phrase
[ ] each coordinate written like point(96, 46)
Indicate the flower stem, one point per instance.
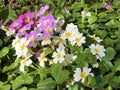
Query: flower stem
point(58, 88)
point(82, 2)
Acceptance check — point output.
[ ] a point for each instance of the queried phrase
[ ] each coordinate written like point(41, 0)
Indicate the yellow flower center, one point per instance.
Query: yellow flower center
point(42, 57)
point(22, 30)
point(24, 61)
point(31, 38)
point(49, 29)
point(58, 55)
point(15, 24)
point(84, 14)
point(46, 39)
point(77, 39)
point(61, 41)
point(68, 34)
point(27, 20)
point(94, 38)
point(83, 75)
point(22, 47)
point(45, 22)
point(97, 49)
point(57, 24)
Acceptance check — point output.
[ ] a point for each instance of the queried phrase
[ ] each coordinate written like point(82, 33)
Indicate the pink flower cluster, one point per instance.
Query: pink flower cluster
point(26, 25)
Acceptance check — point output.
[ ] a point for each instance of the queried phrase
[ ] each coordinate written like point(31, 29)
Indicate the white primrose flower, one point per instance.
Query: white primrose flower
point(85, 14)
point(96, 65)
point(42, 59)
point(15, 41)
point(70, 83)
point(80, 75)
point(79, 39)
point(94, 37)
point(69, 58)
point(70, 32)
point(58, 56)
point(59, 40)
point(46, 41)
point(25, 62)
point(59, 24)
point(21, 48)
point(97, 50)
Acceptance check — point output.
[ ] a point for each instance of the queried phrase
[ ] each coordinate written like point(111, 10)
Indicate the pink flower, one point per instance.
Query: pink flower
point(27, 17)
point(1, 25)
point(42, 10)
point(66, 10)
point(22, 30)
point(17, 24)
point(32, 36)
point(47, 25)
point(107, 6)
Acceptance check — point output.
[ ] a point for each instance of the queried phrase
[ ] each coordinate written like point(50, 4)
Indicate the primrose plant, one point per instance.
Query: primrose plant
point(43, 42)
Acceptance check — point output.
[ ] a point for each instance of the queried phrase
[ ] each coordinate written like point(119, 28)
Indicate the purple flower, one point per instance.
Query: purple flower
point(67, 11)
point(47, 25)
point(16, 24)
point(22, 30)
point(1, 25)
point(42, 10)
point(46, 21)
point(32, 36)
point(27, 17)
point(107, 6)
point(38, 54)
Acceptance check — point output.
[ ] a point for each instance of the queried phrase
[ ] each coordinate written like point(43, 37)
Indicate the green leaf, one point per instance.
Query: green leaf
point(90, 81)
point(92, 19)
point(102, 15)
point(23, 88)
point(109, 54)
point(58, 74)
point(11, 67)
point(116, 65)
point(106, 79)
point(76, 6)
point(5, 87)
point(20, 80)
point(114, 81)
point(32, 89)
point(11, 15)
point(101, 33)
point(1, 42)
point(76, 14)
point(48, 51)
point(73, 87)
point(47, 84)
point(6, 39)
point(4, 52)
point(105, 65)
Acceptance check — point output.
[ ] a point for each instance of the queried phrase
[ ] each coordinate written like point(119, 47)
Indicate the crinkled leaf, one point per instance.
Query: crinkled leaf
point(92, 19)
point(105, 65)
point(11, 67)
point(58, 74)
point(48, 51)
point(20, 80)
point(101, 33)
point(5, 87)
point(90, 81)
point(23, 88)
point(4, 52)
point(47, 84)
point(114, 81)
point(109, 54)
